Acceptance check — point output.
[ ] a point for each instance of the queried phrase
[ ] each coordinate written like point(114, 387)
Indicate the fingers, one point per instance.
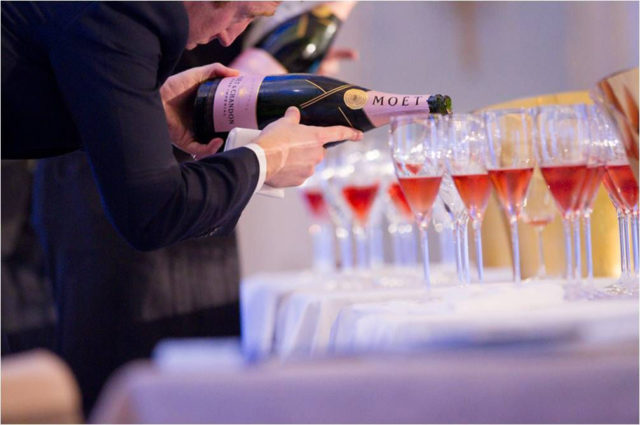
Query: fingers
point(292, 115)
point(336, 133)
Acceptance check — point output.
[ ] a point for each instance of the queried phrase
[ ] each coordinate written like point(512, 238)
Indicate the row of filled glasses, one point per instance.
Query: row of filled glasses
point(453, 161)
point(577, 149)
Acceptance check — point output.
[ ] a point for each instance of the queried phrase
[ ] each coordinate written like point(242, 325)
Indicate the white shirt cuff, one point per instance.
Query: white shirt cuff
point(262, 163)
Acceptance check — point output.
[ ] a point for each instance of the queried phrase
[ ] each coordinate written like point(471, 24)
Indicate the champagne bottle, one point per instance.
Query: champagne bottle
point(254, 101)
point(300, 43)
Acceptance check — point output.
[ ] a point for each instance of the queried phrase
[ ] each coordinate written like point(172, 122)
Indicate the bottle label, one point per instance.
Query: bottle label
point(380, 106)
point(235, 102)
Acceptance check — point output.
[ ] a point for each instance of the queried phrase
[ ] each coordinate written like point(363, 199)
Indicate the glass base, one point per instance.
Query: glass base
point(576, 291)
point(624, 288)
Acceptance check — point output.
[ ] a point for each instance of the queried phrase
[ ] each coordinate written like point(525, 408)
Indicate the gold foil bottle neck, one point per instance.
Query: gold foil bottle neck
point(322, 11)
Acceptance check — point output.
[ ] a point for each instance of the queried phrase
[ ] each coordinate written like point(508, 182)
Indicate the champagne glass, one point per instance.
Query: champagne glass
point(380, 166)
point(621, 210)
point(599, 134)
point(466, 164)
point(538, 210)
point(399, 218)
point(562, 157)
point(416, 151)
point(624, 182)
point(328, 171)
point(354, 186)
point(320, 229)
point(623, 191)
point(510, 162)
point(454, 206)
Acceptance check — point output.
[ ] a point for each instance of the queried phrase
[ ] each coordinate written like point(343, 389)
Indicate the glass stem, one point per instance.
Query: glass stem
point(623, 254)
point(424, 237)
point(515, 248)
point(634, 240)
point(457, 245)
point(627, 251)
point(361, 246)
point(587, 243)
point(343, 235)
point(322, 241)
point(464, 235)
point(542, 271)
point(376, 244)
point(577, 251)
point(477, 236)
point(408, 244)
point(396, 241)
point(566, 228)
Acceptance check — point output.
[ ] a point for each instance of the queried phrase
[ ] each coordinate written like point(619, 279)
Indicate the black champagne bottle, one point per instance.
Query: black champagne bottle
point(254, 101)
point(299, 43)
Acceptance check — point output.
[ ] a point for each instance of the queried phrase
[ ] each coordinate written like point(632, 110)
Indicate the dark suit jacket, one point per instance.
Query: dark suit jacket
point(86, 76)
point(115, 303)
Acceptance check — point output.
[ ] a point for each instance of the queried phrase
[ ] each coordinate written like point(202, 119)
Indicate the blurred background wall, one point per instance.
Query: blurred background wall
point(479, 53)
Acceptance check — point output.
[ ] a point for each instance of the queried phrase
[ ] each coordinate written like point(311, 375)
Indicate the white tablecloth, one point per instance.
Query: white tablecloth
point(556, 384)
point(279, 310)
point(402, 325)
point(302, 314)
point(529, 356)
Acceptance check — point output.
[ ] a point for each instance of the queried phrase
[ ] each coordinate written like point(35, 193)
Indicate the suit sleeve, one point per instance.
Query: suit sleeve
point(106, 65)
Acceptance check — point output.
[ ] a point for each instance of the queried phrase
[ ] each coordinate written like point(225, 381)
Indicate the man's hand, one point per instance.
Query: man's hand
point(293, 150)
point(178, 94)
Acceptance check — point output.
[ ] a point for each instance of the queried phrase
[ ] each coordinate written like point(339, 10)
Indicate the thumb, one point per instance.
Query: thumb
point(292, 115)
point(199, 151)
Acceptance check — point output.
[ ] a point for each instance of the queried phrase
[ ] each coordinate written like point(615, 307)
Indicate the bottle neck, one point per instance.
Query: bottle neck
point(379, 106)
point(341, 9)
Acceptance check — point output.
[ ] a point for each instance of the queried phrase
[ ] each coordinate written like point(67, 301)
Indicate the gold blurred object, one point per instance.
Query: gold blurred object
point(617, 94)
point(604, 225)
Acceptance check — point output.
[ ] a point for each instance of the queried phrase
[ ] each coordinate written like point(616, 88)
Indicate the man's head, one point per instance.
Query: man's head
point(223, 20)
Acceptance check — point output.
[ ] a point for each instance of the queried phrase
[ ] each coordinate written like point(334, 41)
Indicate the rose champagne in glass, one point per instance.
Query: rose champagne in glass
point(622, 187)
point(561, 149)
point(466, 149)
point(510, 162)
point(416, 150)
point(320, 229)
point(359, 186)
